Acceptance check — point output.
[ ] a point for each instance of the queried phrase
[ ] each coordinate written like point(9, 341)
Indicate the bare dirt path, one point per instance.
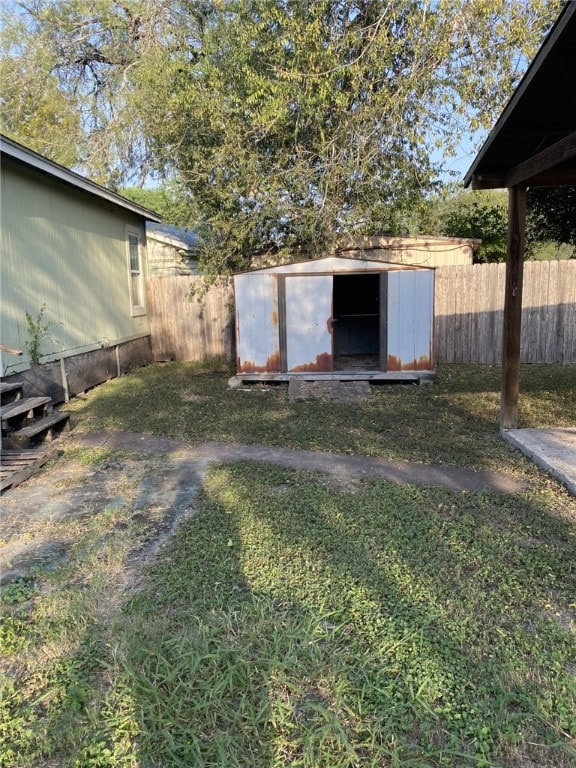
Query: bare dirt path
point(337, 465)
point(157, 479)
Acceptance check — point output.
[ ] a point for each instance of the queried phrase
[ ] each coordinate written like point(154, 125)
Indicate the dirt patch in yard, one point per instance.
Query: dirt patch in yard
point(120, 480)
point(47, 518)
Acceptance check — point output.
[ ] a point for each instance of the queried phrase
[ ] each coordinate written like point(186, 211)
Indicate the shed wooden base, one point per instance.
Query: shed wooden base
point(373, 376)
point(17, 466)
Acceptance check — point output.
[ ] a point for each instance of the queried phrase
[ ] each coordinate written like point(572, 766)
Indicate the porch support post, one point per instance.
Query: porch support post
point(513, 307)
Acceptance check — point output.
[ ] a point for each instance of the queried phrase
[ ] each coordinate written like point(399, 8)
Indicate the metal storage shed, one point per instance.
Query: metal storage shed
point(335, 317)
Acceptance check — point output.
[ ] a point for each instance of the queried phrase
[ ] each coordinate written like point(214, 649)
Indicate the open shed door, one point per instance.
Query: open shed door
point(410, 313)
point(308, 323)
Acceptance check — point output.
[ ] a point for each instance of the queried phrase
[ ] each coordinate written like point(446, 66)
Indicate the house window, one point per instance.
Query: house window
point(136, 273)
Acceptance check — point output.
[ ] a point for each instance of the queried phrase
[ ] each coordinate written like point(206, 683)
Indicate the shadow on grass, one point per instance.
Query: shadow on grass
point(292, 625)
point(289, 623)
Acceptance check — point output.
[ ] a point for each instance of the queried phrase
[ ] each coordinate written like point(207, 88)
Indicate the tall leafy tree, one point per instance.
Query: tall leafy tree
point(285, 122)
point(481, 215)
point(161, 200)
point(67, 80)
point(36, 112)
point(552, 215)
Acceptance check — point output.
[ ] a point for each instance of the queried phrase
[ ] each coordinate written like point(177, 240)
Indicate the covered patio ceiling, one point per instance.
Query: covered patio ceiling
point(534, 140)
point(533, 144)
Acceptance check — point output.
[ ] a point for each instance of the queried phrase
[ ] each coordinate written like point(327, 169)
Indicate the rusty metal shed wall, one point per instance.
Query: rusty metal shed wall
point(410, 321)
point(284, 316)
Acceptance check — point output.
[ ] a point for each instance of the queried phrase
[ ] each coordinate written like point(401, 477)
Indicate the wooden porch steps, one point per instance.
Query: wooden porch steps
point(26, 408)
point(27, 423)
point(10, 391)
point(44, 430)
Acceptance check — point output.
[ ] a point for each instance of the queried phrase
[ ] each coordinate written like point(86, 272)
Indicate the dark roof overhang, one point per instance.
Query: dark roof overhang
point(534, 141)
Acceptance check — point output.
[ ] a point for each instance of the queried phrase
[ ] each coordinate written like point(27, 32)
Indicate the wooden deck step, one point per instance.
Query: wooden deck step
point(17, 466)
point(23, 407)
point(10, 391)
point(41, 431)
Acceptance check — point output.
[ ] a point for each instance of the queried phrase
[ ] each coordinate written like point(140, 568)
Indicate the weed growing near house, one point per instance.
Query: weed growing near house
point(37, 330)
point(454, 422)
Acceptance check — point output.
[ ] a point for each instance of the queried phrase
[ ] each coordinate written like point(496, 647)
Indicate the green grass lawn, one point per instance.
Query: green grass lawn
point(294, 621)
point(456, 421)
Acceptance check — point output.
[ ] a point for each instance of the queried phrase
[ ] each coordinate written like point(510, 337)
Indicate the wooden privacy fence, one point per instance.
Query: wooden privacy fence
point(469, 310)
point(184, 329)
point(469, 307)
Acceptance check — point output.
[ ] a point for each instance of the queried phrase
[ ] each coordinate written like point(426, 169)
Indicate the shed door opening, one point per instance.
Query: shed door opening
point(356, 322)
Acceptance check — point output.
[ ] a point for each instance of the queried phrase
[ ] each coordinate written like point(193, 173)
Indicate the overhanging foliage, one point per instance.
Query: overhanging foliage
point(285, 124)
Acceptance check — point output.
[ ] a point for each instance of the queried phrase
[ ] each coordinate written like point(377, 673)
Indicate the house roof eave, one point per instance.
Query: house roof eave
point(25, 156)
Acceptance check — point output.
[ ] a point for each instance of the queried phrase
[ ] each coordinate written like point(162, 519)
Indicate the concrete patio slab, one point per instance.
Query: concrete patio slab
point(552, 449)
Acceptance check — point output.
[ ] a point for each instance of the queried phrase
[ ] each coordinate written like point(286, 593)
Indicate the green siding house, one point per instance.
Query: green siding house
point(73, 257)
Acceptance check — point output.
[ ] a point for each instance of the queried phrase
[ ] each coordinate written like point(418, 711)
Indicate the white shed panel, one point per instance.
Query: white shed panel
point(257, 340)
point(335, 315)
point(410, 320)
point(308, 323)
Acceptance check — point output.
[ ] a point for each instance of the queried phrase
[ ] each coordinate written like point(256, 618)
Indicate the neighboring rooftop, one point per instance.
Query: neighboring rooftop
point(179, 237)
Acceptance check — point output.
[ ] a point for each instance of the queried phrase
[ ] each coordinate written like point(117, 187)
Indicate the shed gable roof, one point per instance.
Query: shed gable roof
point(334, 264)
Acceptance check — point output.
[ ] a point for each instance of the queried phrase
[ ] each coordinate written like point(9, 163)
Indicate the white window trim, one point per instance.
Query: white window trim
point(136, 310)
